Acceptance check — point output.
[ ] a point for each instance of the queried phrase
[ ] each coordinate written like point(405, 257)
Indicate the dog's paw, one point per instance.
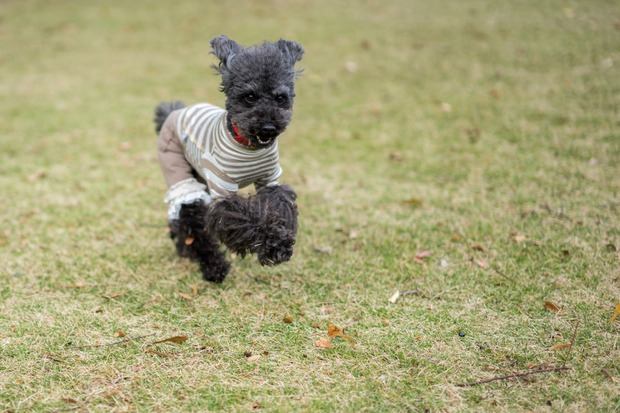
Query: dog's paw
point(276, 249)
point(215, 271)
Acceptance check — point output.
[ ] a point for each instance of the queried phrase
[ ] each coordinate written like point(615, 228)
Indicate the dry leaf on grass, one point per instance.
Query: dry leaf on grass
point(186, 296)
point(109, 297)
point(119, 333)
point(288, 319)
point(551, 306)
point(253, 358)
point(476, 246)
point(482, 263)
point(616, 314)
point(334, 331)
point(394, 297)
point(37, 175)
point(414, 202)
point(560, 346)
point(323, 343)
point(175, 339)
point(419, 257)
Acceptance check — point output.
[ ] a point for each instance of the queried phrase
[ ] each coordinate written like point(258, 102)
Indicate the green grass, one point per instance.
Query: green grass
point(485, 132)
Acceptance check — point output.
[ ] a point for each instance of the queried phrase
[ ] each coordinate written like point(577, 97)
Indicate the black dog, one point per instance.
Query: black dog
point(208, 153)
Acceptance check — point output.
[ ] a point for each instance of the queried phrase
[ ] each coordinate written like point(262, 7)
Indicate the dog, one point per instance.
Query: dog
point(208, 153)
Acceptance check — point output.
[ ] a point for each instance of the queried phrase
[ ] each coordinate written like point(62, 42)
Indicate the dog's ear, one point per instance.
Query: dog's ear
point(292, 50)
point(224, 49)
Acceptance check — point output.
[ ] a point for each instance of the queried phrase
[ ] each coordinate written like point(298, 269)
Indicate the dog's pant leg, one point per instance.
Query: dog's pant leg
point(171, 154)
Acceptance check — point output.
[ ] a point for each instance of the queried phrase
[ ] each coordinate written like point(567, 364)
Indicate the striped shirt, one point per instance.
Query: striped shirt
point(223, 163)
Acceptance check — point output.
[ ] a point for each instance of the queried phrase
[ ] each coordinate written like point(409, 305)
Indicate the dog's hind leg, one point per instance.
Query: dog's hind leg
point(193, 241)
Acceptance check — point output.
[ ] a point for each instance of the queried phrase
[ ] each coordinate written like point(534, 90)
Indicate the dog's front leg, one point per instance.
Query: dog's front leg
point(264, 224)
point(278, 218)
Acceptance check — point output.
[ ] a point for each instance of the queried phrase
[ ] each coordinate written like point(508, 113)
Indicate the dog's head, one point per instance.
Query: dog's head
point(259, 85)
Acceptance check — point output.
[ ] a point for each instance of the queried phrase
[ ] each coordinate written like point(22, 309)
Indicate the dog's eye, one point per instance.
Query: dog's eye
point(250, 98)
point(280, 99)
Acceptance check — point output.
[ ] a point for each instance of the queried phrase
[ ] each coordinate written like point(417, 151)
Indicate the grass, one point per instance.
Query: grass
point(484, 132)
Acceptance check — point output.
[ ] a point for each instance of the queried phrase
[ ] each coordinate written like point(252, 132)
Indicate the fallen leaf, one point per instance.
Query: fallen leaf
point(560, 346)
point(194, 290)
point(68, 400)
point(335, 331)
point(520, 238)
point(253, 358)
point(326, 308)
point(119, 333)
point(394, 297)
point(350, 67)
point(473, 134)
point(414, 202)
point(482, 263)
point(419, 257)
point(552, 306)
point(324, 249)
point(256, 405)
point(476, 246)
point(616, 314)
point(109, 297)
point(456, 238)
point(186, 296)
point(288, 319)
point(396, 156)
point(323, 343)
point(37, 175)
point(189, 240)
point(175, 339)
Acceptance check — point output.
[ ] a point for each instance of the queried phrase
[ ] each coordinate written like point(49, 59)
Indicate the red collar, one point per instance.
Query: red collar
point(237, 136)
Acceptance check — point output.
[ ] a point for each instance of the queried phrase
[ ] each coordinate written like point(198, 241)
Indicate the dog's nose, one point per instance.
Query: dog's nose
point(268, 130)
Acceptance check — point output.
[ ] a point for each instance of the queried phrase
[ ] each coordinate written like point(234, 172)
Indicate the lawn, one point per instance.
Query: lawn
point(458, 171)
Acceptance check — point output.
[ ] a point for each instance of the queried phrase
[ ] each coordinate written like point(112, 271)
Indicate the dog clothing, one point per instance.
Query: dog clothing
point(201, 160)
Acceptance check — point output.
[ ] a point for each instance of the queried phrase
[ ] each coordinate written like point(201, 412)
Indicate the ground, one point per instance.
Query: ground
point(457, 165)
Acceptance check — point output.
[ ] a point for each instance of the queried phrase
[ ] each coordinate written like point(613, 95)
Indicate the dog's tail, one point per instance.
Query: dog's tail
point(163, 110)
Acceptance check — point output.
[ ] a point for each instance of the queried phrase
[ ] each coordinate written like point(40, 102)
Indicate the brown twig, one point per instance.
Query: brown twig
point(502, 274)
point(514, 375)
point(572, 342)
point(608, 374)
point(125, 340)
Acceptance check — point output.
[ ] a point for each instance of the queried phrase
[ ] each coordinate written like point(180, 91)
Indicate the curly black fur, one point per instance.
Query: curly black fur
point(193, 241)
point(163, 110)
point(264, 224)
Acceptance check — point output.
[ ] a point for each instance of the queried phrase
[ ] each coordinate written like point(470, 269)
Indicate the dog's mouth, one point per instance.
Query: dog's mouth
point(265, 140)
